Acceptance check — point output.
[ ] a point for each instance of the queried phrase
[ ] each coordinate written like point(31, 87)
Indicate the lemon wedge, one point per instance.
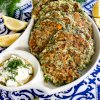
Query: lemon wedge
point(7, 40)
point(96, 10)
point(14, 24)
point(97, 21)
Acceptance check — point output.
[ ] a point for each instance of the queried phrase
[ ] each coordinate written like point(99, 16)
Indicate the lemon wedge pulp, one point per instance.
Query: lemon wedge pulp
point(14, 24)
point(7, 40)
point(96, 10)
point(97, 21)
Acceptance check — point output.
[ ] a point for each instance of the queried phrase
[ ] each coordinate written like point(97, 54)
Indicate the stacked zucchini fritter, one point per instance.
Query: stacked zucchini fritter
point(62, 39)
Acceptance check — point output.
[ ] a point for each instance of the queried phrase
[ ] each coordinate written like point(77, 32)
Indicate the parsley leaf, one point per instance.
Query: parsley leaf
point(14, 63)
point(8, 6)
point(80, 1)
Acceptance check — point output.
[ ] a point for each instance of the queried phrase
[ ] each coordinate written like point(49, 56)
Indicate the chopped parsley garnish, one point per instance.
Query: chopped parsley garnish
point(80, 1)
point(8, 6)
point(31, 74)
point(47, 78)
point(13, 78)
point(2, 83)
point(14, 63)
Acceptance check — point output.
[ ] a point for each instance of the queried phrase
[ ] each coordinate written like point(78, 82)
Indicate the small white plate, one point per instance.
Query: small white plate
point(28, 57)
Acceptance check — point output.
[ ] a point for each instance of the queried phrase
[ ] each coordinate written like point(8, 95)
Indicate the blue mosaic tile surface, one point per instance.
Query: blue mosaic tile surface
point(88, 89)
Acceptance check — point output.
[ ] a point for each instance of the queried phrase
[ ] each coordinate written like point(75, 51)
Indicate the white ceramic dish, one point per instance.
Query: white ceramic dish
point(22, 44)
point(28, 57)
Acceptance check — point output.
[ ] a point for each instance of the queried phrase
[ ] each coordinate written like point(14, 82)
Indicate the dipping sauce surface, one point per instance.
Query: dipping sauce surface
point(15, 71)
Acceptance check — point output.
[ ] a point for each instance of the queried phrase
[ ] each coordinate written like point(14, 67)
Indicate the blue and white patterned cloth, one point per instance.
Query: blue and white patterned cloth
point(88, 89)
point(87, 6)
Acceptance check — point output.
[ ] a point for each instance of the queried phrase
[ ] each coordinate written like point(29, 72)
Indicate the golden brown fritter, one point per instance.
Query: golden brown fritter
point(43, 5)
point(40, 37)
point(62, 39)
point(82, 22)
point(63, 56)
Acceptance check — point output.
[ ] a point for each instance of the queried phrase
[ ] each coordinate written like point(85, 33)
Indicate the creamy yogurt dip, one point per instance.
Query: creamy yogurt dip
point(15, 71)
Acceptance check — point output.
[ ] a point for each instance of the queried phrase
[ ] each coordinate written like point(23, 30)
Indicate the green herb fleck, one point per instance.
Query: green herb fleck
point(80, 1)
point(31, 74)
point(0, 64)
point(36, 98)
point(14, 63)
point(2, 83)
point(12, 78)
point(8, 6)
point(47, 78)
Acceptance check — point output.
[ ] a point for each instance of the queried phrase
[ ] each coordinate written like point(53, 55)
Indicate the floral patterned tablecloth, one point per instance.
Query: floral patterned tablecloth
point(88, 89)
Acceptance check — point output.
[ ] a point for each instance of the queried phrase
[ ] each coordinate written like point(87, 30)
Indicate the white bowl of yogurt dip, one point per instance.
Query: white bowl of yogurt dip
point(18, 70)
